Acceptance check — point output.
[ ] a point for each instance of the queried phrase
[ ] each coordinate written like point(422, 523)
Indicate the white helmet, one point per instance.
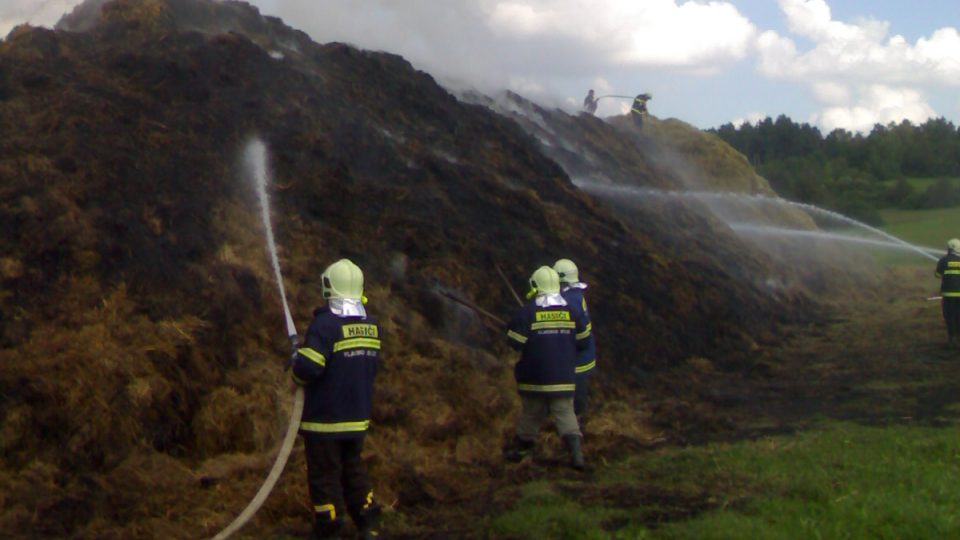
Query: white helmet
point(954, 245)
point(544, 281)
point(343, 279)
point(567, 270)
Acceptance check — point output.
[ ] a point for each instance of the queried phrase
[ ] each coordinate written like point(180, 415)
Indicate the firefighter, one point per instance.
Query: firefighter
point(639, 108)
point(573, 290)
point(948, 270)
point(336, 366)
point(590, 102)
point(548, 335)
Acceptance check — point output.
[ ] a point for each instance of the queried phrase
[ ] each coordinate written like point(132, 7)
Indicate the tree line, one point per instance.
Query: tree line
point(854, 173)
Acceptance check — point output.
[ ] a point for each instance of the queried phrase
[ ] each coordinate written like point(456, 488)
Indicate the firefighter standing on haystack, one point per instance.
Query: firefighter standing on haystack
point(548, 335)
point(948, 270)
point(639, 108)
point(336, 366)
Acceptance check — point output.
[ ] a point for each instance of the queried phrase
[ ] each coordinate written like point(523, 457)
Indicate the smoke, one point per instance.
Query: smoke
point(32, 12)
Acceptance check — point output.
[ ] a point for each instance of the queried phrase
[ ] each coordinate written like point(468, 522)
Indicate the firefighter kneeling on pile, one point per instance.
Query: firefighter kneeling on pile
point(548, 335)
point(337, 366)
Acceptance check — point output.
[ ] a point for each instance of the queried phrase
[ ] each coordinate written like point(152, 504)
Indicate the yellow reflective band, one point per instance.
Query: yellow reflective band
point(547, 387)
point(553, 316)
point(369, 501)
point(313, 355)
point(553, 324)
point(328, 508)
point(951, 272)
point(953, 264)
point(356, 343)
point(583, 368)
point(296, 379)
point(584, 335)
point(334, 427)
point(360, 330)
point(583, 303)
point(950, 294)
point(516, 337)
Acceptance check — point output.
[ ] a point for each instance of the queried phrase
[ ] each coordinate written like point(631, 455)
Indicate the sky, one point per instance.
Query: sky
point(832, 63)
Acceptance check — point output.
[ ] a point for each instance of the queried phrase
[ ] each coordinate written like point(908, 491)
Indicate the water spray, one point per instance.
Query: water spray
point(746, 197)
point(255, 158)
point(763, 230)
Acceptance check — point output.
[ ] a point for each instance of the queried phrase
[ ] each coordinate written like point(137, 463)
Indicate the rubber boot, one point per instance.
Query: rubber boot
point(368, 523)
point(573, 443)
point(326, 529)
point(519, 449)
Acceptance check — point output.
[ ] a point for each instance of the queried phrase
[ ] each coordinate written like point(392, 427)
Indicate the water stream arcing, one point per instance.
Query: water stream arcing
point(763, 230)
point(255, 156)
point(746, 198)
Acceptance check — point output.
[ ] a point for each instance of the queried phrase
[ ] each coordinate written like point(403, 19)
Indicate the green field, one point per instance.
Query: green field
point(837, 481)
point(930, 228)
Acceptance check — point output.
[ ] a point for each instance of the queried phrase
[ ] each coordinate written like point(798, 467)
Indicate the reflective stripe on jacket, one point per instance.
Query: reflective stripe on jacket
point(548, 339)
point(337, 365)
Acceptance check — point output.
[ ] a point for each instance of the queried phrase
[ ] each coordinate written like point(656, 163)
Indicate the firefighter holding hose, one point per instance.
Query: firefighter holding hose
point(336, 366)
point(948, 270)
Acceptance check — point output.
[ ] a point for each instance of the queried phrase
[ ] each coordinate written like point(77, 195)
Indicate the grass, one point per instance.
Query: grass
point(920, 184)
point(931, 228)
point(840, 481)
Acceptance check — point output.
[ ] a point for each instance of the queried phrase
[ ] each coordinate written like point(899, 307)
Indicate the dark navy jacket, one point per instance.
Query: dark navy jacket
point(948, 269)
point(587, 357)
point(337, 365)
point(548, 339)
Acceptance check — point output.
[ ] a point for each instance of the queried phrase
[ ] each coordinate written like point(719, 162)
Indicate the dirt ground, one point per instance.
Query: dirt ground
point(878, 360)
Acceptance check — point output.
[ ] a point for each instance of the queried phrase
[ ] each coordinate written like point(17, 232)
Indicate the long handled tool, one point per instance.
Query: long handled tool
point(474, 307)
point(256, 159)
point(507, 283)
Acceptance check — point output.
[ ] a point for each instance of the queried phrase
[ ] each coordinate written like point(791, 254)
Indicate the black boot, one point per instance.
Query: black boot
point(326, 529)
point(576, 452)
point(368, 523)
point(519, 449)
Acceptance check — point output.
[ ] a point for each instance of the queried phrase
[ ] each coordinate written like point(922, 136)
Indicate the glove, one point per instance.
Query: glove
point(293, 358)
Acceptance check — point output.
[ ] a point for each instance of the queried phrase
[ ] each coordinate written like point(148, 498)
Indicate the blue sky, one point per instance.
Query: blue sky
point(834, 63)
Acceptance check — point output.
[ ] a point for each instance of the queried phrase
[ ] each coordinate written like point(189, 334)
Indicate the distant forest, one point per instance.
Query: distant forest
point(894, 166)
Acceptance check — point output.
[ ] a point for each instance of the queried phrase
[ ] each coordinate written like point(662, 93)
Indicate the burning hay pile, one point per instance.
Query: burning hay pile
point(142, 391)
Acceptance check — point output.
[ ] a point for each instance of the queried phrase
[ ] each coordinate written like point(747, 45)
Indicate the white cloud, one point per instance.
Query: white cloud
point(855, 70)
point(877, 104)
point(858, 51)
point(687, 34)
point(831, 92)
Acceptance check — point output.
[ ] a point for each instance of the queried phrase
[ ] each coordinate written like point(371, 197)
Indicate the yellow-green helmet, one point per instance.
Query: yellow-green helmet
point(954, 245)
point(545, 280)
point(567, 270)
point(343, 279)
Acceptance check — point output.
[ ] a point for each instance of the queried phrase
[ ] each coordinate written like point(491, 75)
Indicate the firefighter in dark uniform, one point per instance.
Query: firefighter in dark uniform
point(590, 102)
point(948, 270)
point(573, 290)
point(639, 108)
point(336, 366)
point(548, 335)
